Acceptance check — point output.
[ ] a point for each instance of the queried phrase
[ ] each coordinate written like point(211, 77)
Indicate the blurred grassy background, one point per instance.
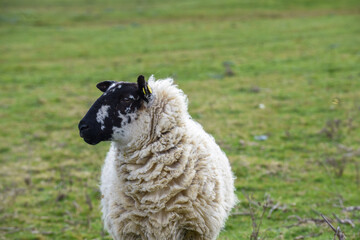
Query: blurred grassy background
point(287, 70)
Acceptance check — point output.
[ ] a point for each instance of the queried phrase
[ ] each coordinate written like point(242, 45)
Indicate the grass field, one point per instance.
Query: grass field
point(288, 70)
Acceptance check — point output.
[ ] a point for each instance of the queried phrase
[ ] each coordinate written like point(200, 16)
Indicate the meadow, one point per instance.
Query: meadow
point(276, 82)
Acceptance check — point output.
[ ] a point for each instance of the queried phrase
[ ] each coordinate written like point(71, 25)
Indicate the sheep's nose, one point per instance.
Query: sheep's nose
point(82, 127)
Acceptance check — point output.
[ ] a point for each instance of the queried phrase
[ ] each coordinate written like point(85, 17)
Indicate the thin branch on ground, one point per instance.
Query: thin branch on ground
point(351, 208)
point(311, 235)
point(256, 222)
point(304, 221)
point(344, 221)
point(275, 207)
point(338, 233)
point(240, 214)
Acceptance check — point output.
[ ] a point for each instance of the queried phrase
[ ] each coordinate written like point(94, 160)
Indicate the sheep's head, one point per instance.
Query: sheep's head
point(112, 114)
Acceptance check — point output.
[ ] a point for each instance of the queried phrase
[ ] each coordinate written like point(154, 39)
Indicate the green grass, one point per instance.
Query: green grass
point(295, 57)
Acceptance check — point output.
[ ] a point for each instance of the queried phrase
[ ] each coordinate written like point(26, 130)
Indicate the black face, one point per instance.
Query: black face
point(113, 110)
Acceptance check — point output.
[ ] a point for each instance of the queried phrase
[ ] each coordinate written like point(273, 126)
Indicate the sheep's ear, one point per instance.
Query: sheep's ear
point(144, 89)
point(103, 86)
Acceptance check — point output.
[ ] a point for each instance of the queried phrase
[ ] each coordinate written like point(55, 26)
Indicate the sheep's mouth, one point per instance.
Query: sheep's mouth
point(91, 141)
point(88, 136)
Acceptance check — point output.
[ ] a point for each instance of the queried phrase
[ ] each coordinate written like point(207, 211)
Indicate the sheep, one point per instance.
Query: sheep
point(164, 177)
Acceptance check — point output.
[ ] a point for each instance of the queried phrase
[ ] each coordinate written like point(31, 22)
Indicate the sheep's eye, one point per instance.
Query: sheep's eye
point(125, 100)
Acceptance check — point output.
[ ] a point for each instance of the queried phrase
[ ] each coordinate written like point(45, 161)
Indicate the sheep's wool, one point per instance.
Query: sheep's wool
point(170, 180)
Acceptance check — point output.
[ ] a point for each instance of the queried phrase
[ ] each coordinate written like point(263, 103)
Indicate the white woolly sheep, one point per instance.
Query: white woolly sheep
point(164, 177)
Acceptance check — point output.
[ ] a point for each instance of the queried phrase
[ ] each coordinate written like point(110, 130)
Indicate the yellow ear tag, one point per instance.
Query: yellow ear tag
point(144, 91)
point(149, 88)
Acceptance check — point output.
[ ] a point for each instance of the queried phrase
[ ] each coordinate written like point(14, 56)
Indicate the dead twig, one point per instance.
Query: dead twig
point(277, 206)
point(327, 221)
point(304, 221)
point(337, 231)
point(240, 214)
point(311, 235)
point(351, 208)
point(344, 221)
point(256, 222)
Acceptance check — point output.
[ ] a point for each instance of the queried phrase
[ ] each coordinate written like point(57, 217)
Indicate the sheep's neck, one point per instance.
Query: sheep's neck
point(155, 173)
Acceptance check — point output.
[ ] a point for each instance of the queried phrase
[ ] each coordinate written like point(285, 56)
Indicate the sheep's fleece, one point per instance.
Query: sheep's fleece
point(170, 180)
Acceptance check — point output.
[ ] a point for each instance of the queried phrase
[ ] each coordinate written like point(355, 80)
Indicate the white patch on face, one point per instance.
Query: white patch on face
point(118, 133)
point(102, 114)
point(123, 118)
